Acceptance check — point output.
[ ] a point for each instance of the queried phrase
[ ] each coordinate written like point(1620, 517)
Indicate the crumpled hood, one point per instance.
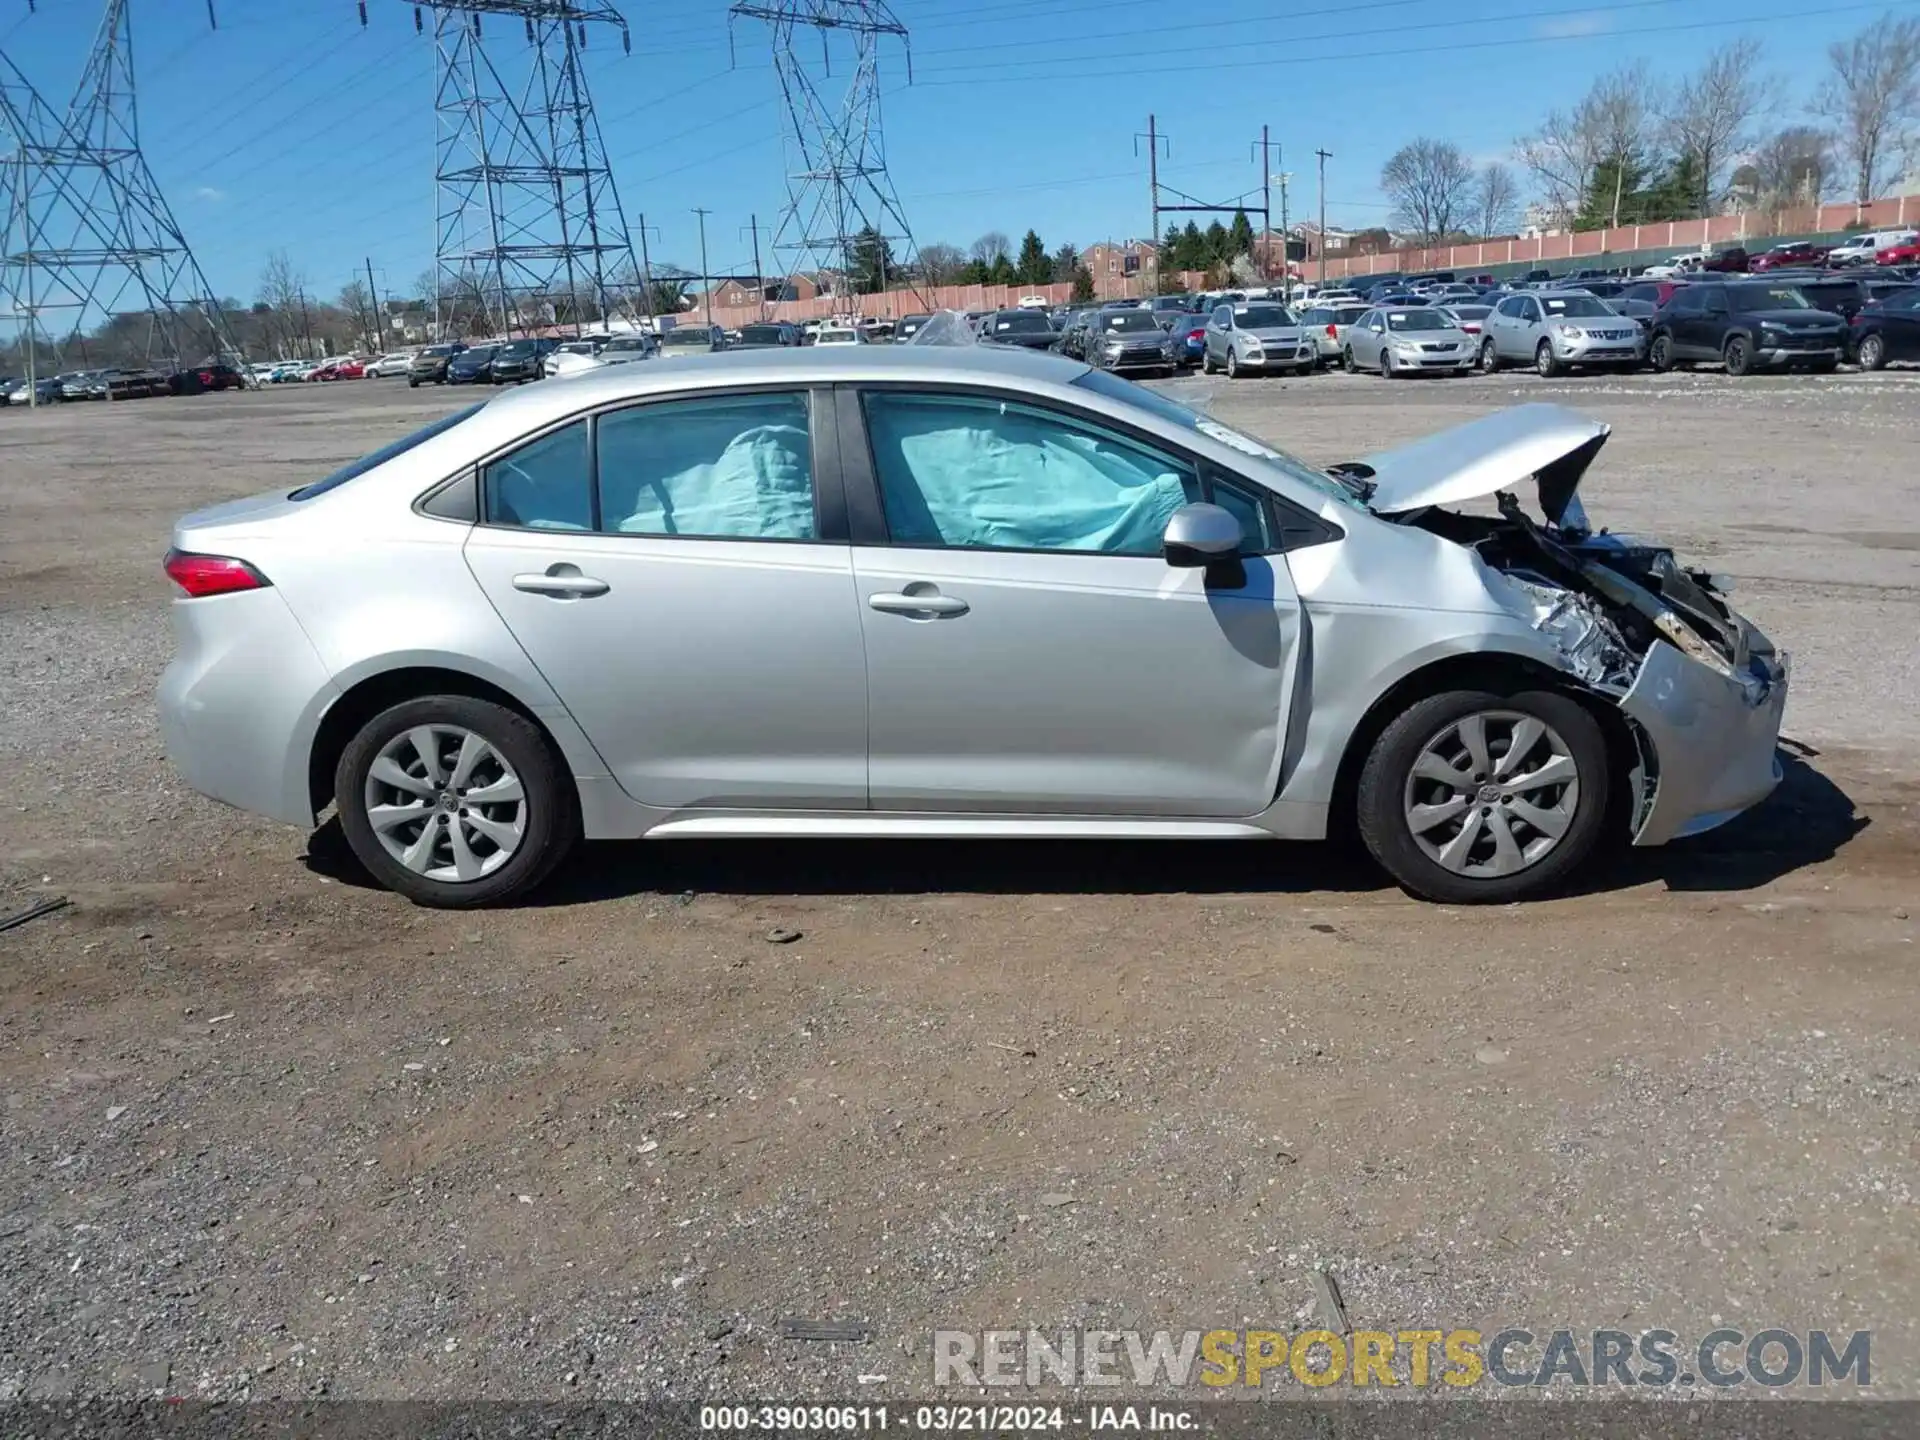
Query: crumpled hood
point(1549, 443)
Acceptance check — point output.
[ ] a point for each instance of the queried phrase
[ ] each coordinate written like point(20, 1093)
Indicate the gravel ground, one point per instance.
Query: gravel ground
point(265, 1131)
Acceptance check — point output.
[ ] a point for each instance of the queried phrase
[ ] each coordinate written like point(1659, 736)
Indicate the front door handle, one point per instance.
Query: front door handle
point(930, 606)
point(562, 582)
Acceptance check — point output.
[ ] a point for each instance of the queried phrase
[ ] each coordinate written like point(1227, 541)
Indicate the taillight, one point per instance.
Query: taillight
point(203, 575)
point(1333, 332)
point(1854, 319)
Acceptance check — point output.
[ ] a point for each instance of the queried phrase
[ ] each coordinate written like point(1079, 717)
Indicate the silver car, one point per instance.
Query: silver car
point(1257, 335)
point(1328, 325)
point(926, 591)
point(1402, 340)
point(1555, 329)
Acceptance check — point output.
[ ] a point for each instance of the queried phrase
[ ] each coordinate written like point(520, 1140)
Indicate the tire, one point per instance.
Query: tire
point(1390, 793)
point(1660, 353)
point(1489, 358)
point(412, 384)
point(1545, 362)
point(546, 814)
point(1873, 353)
point(1387, 372)
point(1233, 365)
point(1346, 361)
point(1206, 362)
point(1739, 356)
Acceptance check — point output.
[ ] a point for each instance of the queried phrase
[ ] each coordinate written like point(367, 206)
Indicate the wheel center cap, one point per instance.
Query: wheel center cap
point(449, 800)
point(1489, 794)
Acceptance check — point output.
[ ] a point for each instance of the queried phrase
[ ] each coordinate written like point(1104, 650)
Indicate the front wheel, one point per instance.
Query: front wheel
point(1739, 356)
point(1387, 372)
point(1485, 796)
point(1489, 358)
point(1873, 353)
point(455, 802)
point(1545, 361)
point(412, 384)
point(1346, 361)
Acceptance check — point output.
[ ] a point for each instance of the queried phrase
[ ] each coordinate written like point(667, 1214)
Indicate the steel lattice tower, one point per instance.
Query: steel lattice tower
point(837, 181)
point(529, 230)
point(89, 237)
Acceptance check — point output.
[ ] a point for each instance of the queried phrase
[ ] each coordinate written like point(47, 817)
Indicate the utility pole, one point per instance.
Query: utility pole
point(373, 299)
point(646, 270)
point(1325, 155)
point(306, 325)
point(1266, 194)
point(706, 280)
point(1153, 177)
point(759, 277)
point(1286, 276)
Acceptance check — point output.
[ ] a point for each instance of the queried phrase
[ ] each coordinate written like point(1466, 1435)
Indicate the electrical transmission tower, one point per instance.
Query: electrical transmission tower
point(529, 228)
point(89, 239)
point(842, 217)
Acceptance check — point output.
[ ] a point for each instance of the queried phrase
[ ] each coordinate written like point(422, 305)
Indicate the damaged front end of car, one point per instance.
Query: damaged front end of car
point(1701, 688)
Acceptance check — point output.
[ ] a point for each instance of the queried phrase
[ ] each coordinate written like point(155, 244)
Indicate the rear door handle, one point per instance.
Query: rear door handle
point(927, 607)
point(562, 582)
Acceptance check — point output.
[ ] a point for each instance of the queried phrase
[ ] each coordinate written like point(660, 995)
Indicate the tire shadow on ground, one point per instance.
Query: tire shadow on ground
point(1805, 821)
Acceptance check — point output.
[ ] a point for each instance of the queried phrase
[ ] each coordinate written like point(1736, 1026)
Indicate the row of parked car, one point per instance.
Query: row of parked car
point(119, 383)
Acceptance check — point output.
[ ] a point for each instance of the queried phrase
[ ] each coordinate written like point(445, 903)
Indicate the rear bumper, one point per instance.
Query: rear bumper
point(1713, 741)
point(241, 701)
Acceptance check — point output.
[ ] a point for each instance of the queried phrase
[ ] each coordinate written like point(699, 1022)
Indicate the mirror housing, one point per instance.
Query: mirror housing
point(1206, 537)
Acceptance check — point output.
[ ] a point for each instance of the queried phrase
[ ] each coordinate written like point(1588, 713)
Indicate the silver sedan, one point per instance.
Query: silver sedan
point(919, 591)
point(1413, 341)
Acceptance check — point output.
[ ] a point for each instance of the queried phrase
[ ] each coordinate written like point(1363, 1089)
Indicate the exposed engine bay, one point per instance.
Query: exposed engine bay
point(1606, 598)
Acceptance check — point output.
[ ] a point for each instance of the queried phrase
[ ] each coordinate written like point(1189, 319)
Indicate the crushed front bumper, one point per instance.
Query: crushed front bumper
point(1712, 740)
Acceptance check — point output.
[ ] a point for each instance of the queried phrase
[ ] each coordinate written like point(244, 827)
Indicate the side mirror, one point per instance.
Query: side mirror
point(1209, 537)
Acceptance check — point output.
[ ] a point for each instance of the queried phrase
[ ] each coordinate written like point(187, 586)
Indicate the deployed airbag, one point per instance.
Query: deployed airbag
point(729, 468)
point(964, 471)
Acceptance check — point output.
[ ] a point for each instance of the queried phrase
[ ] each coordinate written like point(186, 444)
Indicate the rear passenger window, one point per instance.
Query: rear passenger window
point(733, 467)
point(547, 485)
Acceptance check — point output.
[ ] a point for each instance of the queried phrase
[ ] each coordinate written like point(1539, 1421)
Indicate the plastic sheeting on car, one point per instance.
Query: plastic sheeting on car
point(963, 471)
point(735, 467)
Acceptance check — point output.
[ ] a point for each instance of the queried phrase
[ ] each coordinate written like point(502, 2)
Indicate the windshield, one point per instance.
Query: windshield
point(481, 353)
point(1575, 306)
point(1126, 321)
point(626, 343)
point(1021, 322)
point(1417, 320)
point(762, 335)
point(686, 337)
point(1262, 317)
point(1112, 387)
point(1749, 298)
point(517, 347)
point(383, 454)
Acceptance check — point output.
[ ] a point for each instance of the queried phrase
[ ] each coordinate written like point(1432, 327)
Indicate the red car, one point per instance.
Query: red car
point(1908, 254)
point(1798, 252)
point(349, 370)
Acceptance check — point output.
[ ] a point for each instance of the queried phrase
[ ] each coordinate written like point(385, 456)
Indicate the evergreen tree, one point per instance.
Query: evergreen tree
point(1001, 272)
point(1676, 194)
point(1216, 245)
point(872, 262)
point(1065, 261)
point(974, 272)
point(1033, 266)
point(1239, 235)
point(1082, 284)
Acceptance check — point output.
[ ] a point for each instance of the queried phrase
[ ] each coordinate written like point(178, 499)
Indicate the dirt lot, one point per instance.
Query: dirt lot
point(264, 1130)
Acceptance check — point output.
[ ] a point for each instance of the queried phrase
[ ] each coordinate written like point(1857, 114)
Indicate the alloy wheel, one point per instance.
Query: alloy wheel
point(1489, 358)
point(1873, 353)
point(1492, 794)
point(444, 802)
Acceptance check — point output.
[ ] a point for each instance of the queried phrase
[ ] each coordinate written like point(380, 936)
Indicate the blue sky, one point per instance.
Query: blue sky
point(291, 127)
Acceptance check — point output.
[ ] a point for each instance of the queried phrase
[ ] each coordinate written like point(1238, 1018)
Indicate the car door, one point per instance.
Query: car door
point(1366, 338)
point(1219, 333)
point(1899, 325)
point(1682, 316)
point(1709, 322)
point(1524, 334)
point(686, 587)
point(1029, 649)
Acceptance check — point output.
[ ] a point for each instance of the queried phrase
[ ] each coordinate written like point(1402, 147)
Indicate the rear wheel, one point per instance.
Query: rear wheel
point(455, 802)
point(1739, 356)
point(1485, 796)
point(1873, 353)
point(1660, 353)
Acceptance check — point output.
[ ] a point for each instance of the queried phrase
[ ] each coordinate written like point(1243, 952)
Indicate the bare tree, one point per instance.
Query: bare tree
point(282, 291)
point(355, 301)
point(1622, 109)
point(1793, 166)
point(939, 263)
point(1495, 201)
point(1711, 113)
point(1428, 182)
point(1561, 157)
point(990, 247)
point(1873, 98)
